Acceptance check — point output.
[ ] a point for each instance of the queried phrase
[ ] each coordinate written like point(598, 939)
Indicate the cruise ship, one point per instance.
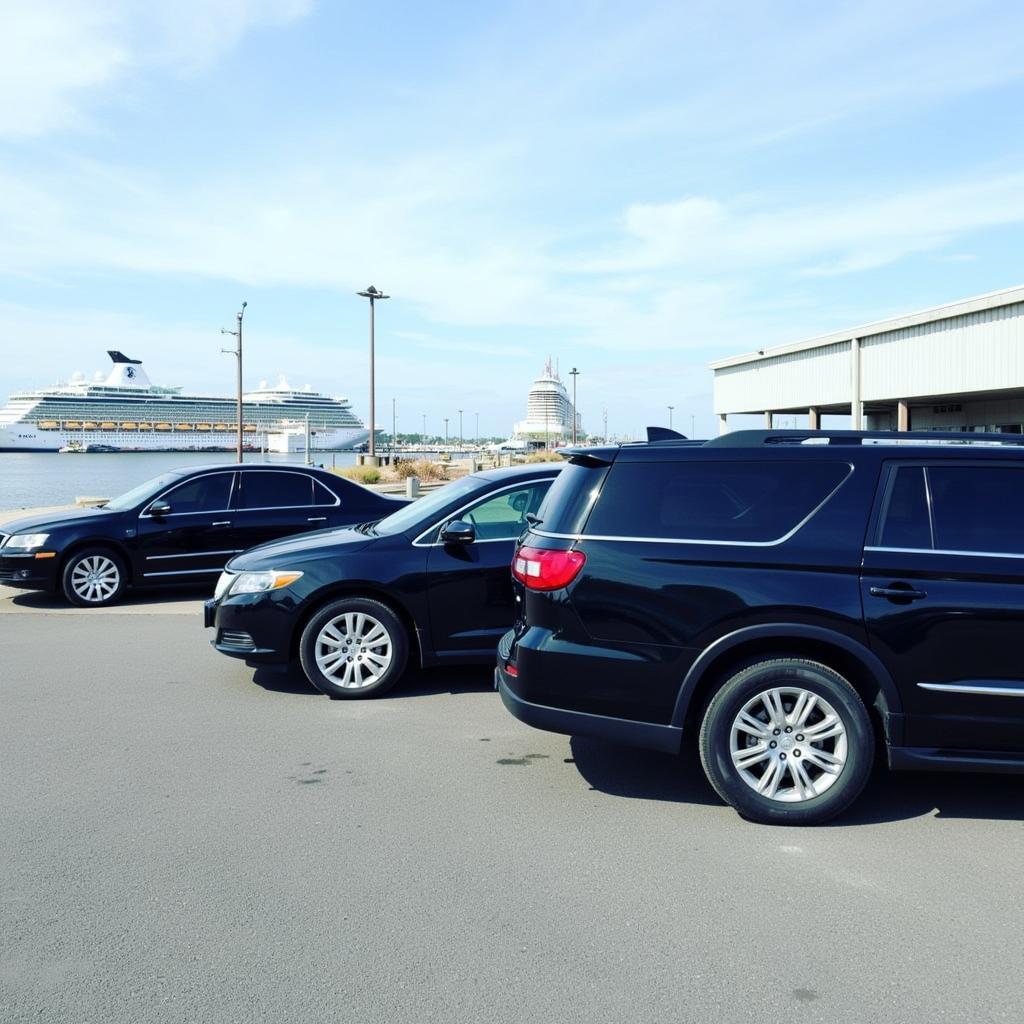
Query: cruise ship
point(549, 413)
point(126, 412)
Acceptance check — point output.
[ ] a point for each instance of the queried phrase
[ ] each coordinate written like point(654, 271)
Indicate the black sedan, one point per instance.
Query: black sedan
point(432, 581)
point(180, 527)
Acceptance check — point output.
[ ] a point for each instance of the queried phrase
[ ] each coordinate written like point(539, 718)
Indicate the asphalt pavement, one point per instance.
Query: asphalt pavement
point(185, 840)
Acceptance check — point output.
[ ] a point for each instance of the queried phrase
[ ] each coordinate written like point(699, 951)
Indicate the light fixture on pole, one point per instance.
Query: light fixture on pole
point(670, 408)
point(574, 373)
point(237, 353)
point(373, 295)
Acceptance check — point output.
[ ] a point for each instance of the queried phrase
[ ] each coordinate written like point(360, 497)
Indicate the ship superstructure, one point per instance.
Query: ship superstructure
point(129, 413)
point(549, 411)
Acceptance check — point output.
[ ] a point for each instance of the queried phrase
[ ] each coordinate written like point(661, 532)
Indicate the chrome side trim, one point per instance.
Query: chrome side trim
point(705, 541)
point(976, 688)
point(182, 572)
point(947, 551)
point(194, 554)
point(476, 501)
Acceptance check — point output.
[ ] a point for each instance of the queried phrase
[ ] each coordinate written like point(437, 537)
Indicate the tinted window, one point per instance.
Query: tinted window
point(204, 494)
point(568, 502)
point(275, 490)
point(322, 496)
point(905, 515)
point(731, 501)
point(977, 508)
point(504, 516)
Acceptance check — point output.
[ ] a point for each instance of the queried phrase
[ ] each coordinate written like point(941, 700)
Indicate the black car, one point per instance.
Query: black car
point(180, 527)
point(788, 600)
point(431, 581)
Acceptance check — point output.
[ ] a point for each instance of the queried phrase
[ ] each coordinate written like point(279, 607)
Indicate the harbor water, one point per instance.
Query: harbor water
point(39, 479)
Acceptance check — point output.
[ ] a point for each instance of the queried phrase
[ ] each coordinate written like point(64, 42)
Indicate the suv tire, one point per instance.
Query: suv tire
point(788, 742)
point(93, 577)
point(354, 647)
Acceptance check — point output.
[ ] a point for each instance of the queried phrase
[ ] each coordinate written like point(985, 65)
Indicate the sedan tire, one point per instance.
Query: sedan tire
point(354, 647)
point(787, 742)
point(93, 577)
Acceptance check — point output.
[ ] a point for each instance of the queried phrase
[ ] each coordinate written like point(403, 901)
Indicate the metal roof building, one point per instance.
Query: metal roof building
point(954, 367)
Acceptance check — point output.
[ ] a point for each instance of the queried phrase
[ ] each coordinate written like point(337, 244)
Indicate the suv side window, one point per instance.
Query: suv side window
point(747, 502)
point(905, 519)
point(978, 508)
point(273, 489)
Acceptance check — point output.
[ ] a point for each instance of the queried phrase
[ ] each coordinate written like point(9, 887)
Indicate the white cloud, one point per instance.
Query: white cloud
point(58, 55)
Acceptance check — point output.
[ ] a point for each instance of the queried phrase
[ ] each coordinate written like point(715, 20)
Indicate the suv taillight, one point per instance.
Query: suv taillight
point(538, 569)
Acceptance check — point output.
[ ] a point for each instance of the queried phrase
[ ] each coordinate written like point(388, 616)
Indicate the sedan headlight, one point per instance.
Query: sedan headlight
point(260, 582)
point(223, 582)
point(26, 541)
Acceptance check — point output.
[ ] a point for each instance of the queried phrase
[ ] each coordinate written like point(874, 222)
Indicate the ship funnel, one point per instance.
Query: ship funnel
point(126, 373)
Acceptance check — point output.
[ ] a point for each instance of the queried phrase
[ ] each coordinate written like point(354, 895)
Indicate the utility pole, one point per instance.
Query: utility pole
point(460, 430)
point(394, 428)
point(478, 430)
point(574, 373)
point(372, 294)
point(446, 431)
point(670, 408)
point(237, 353)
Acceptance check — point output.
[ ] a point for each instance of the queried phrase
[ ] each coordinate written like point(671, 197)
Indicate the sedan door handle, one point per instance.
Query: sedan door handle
point(317, 519)
point(222, 522)
point(898, 593)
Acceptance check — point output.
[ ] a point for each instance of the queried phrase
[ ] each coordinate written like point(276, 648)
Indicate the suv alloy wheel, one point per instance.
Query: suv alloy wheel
point(354, 647)
point(787, 741)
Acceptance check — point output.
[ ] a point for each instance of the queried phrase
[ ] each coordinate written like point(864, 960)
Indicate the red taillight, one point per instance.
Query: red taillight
point(538, 569)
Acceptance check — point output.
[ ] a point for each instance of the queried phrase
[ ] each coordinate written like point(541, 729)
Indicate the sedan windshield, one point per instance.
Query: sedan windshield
point(136, 495)
point(421, 512)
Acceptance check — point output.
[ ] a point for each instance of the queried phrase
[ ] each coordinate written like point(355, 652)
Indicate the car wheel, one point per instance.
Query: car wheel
point(787, 742)
point(93, 578)
point(355, 647)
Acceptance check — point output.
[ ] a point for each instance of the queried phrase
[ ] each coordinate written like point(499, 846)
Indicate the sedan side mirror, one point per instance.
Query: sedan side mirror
point(159, 509)
point(458, 531)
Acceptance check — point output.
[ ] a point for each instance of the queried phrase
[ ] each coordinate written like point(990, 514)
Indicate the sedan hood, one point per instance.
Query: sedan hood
point(47, 521)
point(306, 545)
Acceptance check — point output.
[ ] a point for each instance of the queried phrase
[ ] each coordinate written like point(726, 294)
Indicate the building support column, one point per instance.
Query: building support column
point(903, 415)
point(814, 418)
point(856, 406)
point(723, 423)
point(767, 420)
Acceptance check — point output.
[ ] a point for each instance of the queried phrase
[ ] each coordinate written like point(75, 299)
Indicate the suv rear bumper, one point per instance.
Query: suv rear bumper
point(668, 738)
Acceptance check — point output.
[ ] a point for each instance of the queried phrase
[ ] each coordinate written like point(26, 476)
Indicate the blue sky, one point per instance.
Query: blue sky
point(633, 188)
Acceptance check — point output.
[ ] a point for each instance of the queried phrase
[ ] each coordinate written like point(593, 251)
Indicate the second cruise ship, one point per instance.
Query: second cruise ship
point(125, 412)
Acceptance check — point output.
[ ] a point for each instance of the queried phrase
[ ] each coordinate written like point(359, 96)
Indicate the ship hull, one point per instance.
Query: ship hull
point(25, 438)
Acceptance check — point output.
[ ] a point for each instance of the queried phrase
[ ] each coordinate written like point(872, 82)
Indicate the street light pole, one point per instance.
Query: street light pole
point(693, 425)
point(478, 430)
point(574, 373)
point(605, 426)
point(237, 353)
point(394, 427)
point(460, 430)
point(372, 294)
point(424, 438)
point(446, 431)
point(670, 408)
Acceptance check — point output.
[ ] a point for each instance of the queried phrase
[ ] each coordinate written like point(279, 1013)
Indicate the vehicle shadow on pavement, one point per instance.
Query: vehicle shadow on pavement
point(641, 774)
point(44, 601)
point(416, 682)
point(898, 796)
point(888, 796)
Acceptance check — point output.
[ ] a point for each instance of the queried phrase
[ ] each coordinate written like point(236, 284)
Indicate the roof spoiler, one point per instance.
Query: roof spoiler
point(592, 457)
point(664, 434)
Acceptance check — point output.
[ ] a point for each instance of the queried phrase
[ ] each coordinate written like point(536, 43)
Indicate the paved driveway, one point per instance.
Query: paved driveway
point(183, 842)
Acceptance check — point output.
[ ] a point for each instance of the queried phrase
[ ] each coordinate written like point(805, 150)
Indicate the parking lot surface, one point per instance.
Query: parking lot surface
point(185, 841)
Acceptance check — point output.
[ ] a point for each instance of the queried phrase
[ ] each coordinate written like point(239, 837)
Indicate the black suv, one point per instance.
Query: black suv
point(792, 599)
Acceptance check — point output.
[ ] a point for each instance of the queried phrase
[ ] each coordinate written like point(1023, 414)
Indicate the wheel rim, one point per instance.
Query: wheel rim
point(95, 578)
point(788, 744)
point(354, 650)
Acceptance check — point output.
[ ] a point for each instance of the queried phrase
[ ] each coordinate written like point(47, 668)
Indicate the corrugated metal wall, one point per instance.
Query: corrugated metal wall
point(976, 352)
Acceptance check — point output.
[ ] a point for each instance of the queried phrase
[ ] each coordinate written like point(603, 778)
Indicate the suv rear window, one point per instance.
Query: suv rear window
point(569, 500)
point(752, 502)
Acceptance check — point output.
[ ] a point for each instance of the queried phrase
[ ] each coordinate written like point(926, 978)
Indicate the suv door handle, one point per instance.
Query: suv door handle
point(317, 519)
point(222, 522)
point(898, 593)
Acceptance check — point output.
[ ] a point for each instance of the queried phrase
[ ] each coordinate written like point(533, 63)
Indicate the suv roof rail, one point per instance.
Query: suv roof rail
point(752, 438)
